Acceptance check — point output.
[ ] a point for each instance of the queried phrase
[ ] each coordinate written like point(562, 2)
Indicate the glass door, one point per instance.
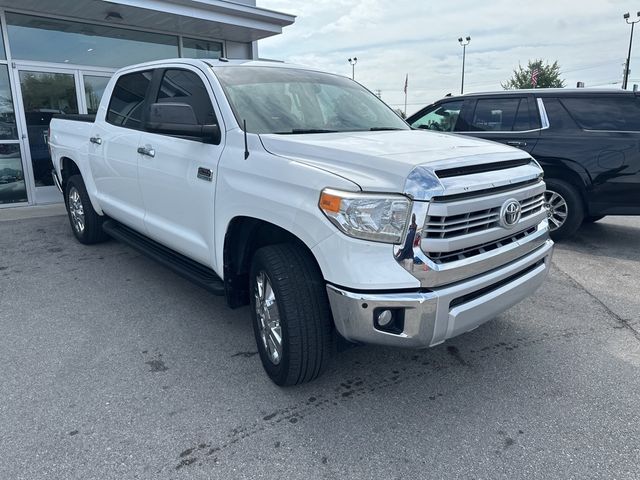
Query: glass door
point(13, 188)
point(93, 86)
point(43, 94)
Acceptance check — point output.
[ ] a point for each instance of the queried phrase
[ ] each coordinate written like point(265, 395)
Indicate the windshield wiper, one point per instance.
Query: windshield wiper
point(298, 131)
point(380, 129)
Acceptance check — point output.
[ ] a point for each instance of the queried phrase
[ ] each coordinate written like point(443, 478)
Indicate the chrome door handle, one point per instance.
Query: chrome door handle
point(148, 151)
point(517, 144)
point(96, 140)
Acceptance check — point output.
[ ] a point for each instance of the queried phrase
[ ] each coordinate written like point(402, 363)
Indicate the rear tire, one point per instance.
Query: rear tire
point(86, 224)
point(565, 208)
point(291, 315)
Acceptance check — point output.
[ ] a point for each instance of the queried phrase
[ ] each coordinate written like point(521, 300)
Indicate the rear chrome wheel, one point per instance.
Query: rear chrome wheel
point(76, 210)
point(85, 222)
point(557, 209)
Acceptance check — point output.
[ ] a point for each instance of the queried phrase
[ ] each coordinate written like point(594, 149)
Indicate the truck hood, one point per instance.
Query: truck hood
point(390, 161)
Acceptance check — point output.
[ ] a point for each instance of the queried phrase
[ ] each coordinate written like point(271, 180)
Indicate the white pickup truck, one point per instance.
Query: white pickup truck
point(302, 194)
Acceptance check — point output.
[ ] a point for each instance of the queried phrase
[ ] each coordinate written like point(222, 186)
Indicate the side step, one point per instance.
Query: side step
point(189, 269)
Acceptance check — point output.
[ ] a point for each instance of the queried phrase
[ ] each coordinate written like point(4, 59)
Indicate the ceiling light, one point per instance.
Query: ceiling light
point(113, 16)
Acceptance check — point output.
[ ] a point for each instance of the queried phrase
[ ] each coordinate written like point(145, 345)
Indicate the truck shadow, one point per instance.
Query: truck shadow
point(607, 239)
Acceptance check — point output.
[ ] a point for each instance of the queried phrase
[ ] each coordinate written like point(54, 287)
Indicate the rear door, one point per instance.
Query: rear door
point(113, 155)
point(178, 174)
point(609, 149)
point(511, 119)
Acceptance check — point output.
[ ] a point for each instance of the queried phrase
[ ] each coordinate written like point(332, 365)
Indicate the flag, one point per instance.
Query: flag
point(534, 77)
point(406, 84)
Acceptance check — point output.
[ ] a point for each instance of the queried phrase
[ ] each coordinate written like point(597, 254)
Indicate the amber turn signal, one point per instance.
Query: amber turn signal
point(330, 203)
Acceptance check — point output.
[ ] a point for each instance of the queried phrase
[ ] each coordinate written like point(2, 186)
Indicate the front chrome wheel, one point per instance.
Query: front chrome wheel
point(557, 209)
point(76, 209)
point(268, 318)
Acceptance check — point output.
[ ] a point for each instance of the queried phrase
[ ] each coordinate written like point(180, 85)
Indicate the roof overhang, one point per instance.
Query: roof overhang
point(199, 18)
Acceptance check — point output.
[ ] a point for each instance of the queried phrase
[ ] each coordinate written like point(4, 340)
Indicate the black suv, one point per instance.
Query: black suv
point(586, 140)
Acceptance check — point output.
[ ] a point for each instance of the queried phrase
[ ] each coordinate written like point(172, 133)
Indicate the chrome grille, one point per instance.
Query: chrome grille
point(476, 221)
point(447, 257)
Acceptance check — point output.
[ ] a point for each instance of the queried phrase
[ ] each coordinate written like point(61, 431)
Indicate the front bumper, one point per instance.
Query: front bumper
point(431, 317)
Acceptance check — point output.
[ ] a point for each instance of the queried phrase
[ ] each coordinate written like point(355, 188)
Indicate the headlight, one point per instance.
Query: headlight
point(377, 217)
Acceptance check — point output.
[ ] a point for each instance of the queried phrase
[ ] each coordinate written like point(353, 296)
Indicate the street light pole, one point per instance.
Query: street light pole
point(626, 17)
point(352, 62)
point(464, 42)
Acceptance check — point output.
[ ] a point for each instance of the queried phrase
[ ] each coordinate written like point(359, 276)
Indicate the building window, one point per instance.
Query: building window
point(94, 87)
point(192, 48)
point(12, 185)
point(62, 41)
point(8, 130)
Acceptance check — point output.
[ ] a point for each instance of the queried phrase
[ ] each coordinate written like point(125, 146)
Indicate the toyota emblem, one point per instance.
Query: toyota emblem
point(510, 213)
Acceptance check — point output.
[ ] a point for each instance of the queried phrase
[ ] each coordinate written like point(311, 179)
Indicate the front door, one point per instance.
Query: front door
point(178, 175)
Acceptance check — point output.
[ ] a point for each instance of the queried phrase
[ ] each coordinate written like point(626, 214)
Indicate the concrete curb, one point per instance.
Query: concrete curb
point(37, 211)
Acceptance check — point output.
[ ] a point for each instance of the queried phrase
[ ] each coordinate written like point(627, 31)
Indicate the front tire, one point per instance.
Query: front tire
point(291, 315)
point(565, 210)
point(86, 224)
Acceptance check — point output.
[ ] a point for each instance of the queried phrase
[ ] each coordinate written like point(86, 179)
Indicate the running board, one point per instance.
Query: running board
point(189, 269)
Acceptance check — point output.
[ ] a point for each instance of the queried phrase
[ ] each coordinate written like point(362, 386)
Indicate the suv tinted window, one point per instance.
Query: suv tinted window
point(184, 86)
point(443, 118)
point(127, 99)
point(605, 113)
point(501, 115)
point(559, 118)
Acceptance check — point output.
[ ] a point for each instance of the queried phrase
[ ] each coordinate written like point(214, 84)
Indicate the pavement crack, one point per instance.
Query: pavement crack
point(621, 321)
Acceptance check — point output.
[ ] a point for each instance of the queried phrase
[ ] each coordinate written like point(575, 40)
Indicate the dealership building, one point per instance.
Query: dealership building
point(56, 57)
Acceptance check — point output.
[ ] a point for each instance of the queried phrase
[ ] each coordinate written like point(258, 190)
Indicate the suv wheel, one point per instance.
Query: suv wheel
point(565, 210)
point(292, 319)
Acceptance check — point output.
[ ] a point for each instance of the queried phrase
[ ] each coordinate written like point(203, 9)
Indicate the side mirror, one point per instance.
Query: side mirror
point(180, 119)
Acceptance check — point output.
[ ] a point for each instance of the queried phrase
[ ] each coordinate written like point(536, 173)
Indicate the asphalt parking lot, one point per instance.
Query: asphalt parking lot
point(113, 367)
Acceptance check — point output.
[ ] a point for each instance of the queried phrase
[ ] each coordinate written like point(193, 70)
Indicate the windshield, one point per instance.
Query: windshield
point(290, 101)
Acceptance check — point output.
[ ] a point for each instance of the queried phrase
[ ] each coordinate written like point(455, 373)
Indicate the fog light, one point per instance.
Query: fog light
point(385, 318)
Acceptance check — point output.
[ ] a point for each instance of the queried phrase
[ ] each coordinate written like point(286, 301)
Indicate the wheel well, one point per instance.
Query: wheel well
point(68, 168)
point(244, 236)
point(569, 176)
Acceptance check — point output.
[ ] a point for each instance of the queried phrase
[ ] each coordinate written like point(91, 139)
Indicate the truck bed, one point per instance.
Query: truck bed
point(78, 117)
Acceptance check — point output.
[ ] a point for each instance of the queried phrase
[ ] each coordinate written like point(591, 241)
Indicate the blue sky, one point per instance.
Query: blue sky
point(419, 38)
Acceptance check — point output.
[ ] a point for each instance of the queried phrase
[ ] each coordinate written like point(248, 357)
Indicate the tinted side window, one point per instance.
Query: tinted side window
point(444, 118)
point(184, 86)
point(127, 99)
point(605, 113)
point(501, 115)
point(559, 119)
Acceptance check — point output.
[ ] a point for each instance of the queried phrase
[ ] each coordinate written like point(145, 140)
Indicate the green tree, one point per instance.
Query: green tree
point(548, 76)
point(400, 113)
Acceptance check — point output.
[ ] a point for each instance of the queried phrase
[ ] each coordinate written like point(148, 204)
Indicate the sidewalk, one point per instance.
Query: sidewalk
point(32, 211)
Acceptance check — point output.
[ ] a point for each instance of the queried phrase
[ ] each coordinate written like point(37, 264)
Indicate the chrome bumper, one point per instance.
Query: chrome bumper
point(432, 317)
point(56, 180)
